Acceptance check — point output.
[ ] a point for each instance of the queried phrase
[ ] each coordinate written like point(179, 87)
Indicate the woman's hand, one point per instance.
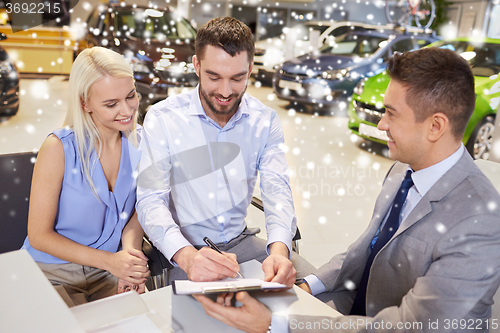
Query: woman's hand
point(130, 265)
point(124, 286)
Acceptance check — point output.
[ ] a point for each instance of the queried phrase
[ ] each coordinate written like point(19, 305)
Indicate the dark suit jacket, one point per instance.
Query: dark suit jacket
point(442, 265)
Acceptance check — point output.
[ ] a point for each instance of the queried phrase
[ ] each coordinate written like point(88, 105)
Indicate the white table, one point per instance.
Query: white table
point(30, 304)
point(189, 315)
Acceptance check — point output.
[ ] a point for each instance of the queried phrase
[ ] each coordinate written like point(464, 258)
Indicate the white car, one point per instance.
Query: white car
point(271, 52)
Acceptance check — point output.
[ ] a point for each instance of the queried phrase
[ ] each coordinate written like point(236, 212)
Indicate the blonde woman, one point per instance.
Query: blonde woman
point(82, 227)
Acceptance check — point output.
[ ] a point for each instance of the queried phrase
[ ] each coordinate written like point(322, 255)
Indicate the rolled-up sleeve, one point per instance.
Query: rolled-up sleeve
point(153, 188)
point(275, 188)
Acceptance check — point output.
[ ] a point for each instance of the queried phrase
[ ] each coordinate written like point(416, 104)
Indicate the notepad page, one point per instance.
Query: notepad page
point(186, 287)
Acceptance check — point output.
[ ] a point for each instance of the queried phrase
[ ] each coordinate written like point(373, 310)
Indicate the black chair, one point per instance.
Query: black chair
point(16, 171)
point(256, 202)
point(159, 265)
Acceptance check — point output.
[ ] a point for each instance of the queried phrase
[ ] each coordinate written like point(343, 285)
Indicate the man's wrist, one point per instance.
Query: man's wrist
point(304, 286)
point(279, 323)
point(315, 285)
point(279, 248)
point(183, 257)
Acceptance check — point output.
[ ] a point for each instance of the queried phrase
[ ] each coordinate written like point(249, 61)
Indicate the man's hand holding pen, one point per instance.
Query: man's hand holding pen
point(214, 247)
point(206, 264)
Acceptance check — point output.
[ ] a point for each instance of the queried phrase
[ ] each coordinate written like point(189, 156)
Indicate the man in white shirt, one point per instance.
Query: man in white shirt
point(202, 152)
point(429, 260)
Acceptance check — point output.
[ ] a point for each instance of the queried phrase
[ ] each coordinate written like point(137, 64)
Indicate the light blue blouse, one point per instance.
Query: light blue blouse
point(80, 216)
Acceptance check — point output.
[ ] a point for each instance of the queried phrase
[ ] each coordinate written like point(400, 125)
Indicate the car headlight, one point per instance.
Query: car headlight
point(335, 74)
point(180, 68)
point(138, 66)
point(189, 68)
point(358, 89)
point(6, 67)
point(259, 52)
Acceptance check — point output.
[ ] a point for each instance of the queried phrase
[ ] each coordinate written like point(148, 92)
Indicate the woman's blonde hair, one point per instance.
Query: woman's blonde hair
point(90, 66)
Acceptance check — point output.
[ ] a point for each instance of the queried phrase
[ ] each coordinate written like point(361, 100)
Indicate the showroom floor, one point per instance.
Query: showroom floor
point(334, 178)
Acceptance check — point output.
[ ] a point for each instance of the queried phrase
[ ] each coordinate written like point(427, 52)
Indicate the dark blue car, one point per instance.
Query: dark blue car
point(322, 77)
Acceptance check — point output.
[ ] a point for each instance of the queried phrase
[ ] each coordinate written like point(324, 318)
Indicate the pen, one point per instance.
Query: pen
point(214, 247)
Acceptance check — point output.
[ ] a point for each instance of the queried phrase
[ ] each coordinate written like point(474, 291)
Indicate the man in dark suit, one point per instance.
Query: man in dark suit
point(430, 257)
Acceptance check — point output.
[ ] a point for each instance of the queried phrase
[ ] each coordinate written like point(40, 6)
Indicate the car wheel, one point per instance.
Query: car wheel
point(479, 144)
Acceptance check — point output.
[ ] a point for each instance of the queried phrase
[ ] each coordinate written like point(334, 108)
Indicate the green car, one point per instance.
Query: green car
point(366, 108)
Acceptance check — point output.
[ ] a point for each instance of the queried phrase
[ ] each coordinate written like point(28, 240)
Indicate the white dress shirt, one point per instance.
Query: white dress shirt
point(197, 179)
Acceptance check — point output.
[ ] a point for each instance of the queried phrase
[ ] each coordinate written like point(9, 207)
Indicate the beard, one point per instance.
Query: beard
point(226, 109)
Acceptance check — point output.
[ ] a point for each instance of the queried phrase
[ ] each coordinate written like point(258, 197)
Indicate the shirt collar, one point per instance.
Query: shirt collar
point(426, 178)
point(196, 109)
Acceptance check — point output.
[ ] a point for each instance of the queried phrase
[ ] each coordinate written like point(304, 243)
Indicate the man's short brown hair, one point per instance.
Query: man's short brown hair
point(228, 33)
point(438, 80)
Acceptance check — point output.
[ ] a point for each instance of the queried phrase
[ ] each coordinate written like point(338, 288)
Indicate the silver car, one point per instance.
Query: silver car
point(270, 52)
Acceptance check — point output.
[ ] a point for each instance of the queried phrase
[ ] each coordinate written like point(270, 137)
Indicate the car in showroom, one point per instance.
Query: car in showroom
point(270, 52)
point(366, 108)
point(323, 78)
point(9, 84)
point(158, 43)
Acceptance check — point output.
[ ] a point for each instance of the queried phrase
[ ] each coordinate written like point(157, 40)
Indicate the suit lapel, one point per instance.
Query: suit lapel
point(358, 252)
point(384, 202)
point(438, 191)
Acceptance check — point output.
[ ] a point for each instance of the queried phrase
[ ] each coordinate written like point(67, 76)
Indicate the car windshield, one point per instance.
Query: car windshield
point(484, 58)
point(355, 45)
point(302, 30)
point(151, 23)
